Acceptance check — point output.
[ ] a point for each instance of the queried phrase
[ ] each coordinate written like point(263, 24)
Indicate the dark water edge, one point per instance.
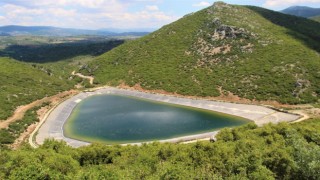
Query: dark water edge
point(117, 119)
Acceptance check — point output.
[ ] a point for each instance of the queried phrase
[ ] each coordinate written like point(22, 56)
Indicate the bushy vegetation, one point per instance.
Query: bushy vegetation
point(281, 151)
point(271, 59)
point(22, 83)
point(8, 135)
point(57, 52)
point(275, 58)
point(51, 61)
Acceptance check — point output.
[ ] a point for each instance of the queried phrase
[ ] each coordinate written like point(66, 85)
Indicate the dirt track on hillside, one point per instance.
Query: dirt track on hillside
point(19, 113)
point(21, 110)
point(90, 78)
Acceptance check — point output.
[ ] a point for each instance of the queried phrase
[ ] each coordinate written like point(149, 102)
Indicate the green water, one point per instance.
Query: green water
point(120, 119)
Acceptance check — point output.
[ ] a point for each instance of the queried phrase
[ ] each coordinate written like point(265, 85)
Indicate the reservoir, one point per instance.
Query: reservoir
point(117, 119)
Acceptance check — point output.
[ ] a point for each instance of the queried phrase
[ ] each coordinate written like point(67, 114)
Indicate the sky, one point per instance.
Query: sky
point(119, 14)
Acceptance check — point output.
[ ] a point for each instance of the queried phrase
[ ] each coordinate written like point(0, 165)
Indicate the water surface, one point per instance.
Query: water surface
point(121, 119)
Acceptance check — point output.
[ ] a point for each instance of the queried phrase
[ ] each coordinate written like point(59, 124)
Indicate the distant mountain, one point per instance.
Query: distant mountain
point(251, 52)
point(302, 11)
point(117, 30)
point(55, 31)
point(4, 34)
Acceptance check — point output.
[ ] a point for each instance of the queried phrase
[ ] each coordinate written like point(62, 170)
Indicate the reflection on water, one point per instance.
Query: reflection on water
point(121, 119)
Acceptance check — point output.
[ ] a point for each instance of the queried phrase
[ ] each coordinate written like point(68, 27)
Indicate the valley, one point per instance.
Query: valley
point(245, 61)
point(36, 71)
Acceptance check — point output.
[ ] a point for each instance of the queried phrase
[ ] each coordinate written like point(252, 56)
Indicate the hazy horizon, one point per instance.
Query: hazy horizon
point(116, 14)
point(120, 30)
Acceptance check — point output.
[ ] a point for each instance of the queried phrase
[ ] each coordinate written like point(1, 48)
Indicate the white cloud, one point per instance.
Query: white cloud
point(86, 14)
point(84, 3)
point(2, 18)
point(150, 19)
point(287, 3)
point(202, 4)
point(152, 8)
point(145, 0)
point(59, 12)
point(91, 3)
point(16, 10)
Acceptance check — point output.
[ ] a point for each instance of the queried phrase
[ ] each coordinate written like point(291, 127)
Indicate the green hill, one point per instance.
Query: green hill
point(33, 67)
point(22, 83)
point(252, 52)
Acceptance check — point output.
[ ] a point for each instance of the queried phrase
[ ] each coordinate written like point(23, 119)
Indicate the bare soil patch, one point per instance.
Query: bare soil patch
point(21, 110)
point(90, 78)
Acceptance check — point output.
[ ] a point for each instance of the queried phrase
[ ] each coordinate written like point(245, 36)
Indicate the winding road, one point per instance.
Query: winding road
point(90, 78)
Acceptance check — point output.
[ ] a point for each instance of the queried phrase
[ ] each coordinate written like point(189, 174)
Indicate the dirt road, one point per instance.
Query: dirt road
point(90, 78)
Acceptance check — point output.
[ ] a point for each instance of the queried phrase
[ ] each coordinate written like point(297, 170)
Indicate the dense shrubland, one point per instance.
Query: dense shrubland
point(267, 59)
point(45, 69)
point(252, 52)
point(22, 83)
point(57, 52)
point(284, 151)
point(8, 135)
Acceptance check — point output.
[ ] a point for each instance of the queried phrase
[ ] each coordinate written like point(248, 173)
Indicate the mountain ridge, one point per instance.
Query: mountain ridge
point(243, 50)
point(56, 31)
point(302, 11)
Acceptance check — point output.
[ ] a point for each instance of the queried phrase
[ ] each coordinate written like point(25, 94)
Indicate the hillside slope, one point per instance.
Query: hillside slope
point(34, 67)
point(22, 83)
point(249, 51)
point(316, 18)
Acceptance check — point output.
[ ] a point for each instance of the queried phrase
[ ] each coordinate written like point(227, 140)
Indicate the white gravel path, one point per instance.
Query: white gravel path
point(53, 125)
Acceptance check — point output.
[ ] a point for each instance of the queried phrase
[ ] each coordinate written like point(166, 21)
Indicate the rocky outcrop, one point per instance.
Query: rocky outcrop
point(301, 85)
point(220, 5)
point(223, 31)
point(216, 42)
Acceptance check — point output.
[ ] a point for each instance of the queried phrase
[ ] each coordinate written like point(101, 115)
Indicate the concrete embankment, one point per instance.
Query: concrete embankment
point(53, 126)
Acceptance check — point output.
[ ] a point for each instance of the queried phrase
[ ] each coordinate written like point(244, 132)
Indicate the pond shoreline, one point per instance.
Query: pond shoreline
point(53, 125)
